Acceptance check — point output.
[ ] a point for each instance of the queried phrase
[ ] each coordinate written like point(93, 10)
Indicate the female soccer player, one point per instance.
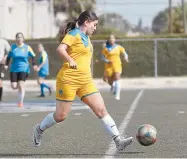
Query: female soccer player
point(43, 70)
point(20, 68)
point(75, 78)
point(113, 67)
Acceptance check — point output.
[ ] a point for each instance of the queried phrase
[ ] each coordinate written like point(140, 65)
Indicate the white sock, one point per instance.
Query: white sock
point(21, 95)
point(47, 122)
point(113, 87)
point(113, 84)
point(117, 88)
point(110, 125)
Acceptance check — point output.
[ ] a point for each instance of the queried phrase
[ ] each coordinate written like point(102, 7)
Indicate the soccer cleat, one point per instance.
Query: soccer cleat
point(117, 97)
point(41, 96)
point(20, 105)
point(37, 136)
point(122, 143)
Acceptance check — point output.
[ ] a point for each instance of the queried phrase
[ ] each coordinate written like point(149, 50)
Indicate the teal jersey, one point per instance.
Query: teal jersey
point(45, 68)
point(20, 56)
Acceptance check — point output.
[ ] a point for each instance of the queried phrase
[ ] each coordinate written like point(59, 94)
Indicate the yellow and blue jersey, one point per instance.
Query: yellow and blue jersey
point(44, 71)
point(112, 52)
point(19, 56)
point(71, 82)
point(80, 50)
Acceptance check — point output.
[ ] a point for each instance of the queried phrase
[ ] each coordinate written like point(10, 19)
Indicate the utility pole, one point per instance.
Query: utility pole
point(32, 18)
point(51, 11)
point(184, 16)
point(170, 16)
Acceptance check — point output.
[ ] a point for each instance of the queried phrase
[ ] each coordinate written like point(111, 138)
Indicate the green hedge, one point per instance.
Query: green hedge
point(172, 57)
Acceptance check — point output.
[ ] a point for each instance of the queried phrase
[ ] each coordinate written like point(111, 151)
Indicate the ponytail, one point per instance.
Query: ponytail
point(86, 15)
point(66, 28)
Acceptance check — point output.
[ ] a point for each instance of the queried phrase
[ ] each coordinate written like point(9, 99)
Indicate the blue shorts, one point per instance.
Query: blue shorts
point(42, 75)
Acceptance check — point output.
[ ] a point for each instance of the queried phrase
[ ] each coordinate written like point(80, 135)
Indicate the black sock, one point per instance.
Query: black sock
point(1, 93)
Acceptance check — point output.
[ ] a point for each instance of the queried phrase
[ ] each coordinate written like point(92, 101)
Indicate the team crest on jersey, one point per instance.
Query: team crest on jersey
point(60, 92)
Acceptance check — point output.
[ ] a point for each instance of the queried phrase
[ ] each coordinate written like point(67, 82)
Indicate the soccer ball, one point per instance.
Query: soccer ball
point(146, 135)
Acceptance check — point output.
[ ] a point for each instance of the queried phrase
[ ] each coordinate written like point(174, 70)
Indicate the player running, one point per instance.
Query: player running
point(43, 70)
point(19, 69)
point(75, 78)
point(113, 67)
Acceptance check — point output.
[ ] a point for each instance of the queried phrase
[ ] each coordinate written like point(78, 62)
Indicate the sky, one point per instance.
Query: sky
point(132, 10)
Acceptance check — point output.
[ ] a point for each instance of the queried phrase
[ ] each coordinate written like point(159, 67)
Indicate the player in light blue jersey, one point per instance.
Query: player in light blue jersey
point(43, 70)
point(20, 68)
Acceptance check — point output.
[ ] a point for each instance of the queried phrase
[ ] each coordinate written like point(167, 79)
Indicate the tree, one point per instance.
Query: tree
point(139, 26)
point(112, 22)
point(73, 7)
point(161, 21)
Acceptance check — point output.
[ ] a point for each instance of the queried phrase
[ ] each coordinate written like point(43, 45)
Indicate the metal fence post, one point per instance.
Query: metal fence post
point(155, 57)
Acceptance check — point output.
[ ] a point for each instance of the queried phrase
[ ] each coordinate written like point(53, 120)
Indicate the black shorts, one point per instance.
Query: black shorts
point(18, 76)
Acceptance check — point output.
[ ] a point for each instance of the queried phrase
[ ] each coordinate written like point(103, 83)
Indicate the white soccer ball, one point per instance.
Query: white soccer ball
point(146, 135)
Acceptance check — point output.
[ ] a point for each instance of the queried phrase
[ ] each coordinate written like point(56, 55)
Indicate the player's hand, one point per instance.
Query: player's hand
point(72, 64)
point(127, 60)
point(6, 67)
point(38, 69)
point(109, 62)
point(35, 67)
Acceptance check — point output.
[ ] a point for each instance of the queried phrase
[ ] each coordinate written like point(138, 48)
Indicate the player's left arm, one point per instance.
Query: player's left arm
point(102, 56)
point(44, 58)
point(124, 53)
point(32, 55)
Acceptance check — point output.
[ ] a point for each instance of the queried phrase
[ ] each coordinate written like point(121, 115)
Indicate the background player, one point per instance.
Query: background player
point(43, 70)
point(19, 69)
point(113, 66)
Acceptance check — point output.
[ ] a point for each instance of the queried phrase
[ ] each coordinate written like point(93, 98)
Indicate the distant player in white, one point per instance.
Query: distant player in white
point(4, 50)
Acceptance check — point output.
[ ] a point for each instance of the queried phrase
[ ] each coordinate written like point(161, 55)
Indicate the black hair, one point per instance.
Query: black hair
point(19, 33)
point(84, 16)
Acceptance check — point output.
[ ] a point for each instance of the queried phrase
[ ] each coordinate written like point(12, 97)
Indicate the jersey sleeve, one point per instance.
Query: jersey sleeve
point(44, 57)
point(69, 39)
point(10, 53)
point(31, 52)
point(103, 52)
point(122, 50)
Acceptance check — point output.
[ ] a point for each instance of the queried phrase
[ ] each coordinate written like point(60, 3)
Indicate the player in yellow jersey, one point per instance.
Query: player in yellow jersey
point(113, 67)
point(74, 78)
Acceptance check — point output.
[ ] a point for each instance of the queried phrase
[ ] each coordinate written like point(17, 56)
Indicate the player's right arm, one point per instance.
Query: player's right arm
point(68, 41)
point(8, 59)
point(102, 56)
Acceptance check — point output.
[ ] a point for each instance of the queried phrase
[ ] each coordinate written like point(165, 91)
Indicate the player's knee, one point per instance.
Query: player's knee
point(60, 117)
point(101, 112)
point(39, 81)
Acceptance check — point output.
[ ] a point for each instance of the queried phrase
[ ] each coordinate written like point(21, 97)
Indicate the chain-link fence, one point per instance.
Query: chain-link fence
point(151, 57)
point(148, 57)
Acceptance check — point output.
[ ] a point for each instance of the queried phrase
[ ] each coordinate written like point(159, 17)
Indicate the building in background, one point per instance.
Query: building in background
point(35, 19)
